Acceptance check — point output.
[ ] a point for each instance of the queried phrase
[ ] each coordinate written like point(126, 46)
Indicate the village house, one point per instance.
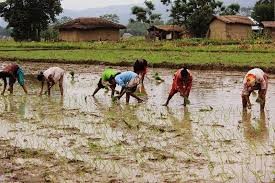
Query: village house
point(268, 28)
point(90, 29)
point(230, 27)
point(167, 32)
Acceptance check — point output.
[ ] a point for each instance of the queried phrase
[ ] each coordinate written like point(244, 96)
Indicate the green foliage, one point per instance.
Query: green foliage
point(264, 10)
point(111, 17)
point(4, 31)
point(29, 18)
point(137, 28)
point(232, 9)
point(51, 34)
point(146, 15)
point(194, 14)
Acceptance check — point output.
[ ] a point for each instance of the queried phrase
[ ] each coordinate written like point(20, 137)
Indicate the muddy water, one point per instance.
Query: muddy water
point(210, 140)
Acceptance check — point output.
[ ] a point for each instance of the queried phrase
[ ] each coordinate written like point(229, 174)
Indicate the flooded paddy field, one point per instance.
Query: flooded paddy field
point(84, 138)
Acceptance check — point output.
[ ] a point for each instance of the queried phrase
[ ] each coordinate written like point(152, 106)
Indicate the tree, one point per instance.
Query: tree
point(246, 11)
point(263, 10)
point(111, 17)
point(4, 32)
point(136, 29)
point(28, 18)
point(232, 9)
point(145, 14)
point(194, 14)
point(51, 33)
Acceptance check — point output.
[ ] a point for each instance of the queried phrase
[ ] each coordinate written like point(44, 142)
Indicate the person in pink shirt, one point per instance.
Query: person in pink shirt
point(182, 83)
point(255, 79)
point(52, 76)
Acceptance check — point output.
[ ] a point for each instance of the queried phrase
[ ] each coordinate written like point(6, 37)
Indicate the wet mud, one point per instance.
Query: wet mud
point(84, 138)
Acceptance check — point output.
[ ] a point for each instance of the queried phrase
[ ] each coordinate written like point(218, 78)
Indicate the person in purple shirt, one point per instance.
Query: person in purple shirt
point(128, 81)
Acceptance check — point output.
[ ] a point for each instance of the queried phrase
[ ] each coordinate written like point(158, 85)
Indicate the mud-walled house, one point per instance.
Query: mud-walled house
point(230, 27)
point(166, 32)
point(268, 28)
point(89, 29)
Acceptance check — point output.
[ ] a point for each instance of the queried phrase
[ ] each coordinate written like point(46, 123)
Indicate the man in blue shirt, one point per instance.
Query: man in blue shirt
point(128, 81)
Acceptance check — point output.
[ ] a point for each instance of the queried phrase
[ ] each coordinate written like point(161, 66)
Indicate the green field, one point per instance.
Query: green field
point(195, 52)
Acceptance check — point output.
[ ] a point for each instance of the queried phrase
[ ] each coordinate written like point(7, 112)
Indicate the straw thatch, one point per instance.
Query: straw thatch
point(166, 32)
point(234, 19)
point(90, 29)
point(89, 24)
point(230, 27)
point(168, 28)
point(268, 24)
point(268, 28)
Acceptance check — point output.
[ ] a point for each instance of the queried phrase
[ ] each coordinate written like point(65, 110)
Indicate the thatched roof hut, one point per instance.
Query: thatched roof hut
point(166, 32)
point(268, 28)
point(230, 27)
point(90, 29)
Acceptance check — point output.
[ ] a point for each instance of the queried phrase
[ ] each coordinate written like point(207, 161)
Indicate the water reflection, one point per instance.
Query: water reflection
point(255, 130)
point(184, 124)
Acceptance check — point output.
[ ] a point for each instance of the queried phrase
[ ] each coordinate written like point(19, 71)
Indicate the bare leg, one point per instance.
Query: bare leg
point(5, 86)
point(262, 98)
point(169, 98)
point(96, 90)
point(61, 86)
point(127, 98)
point(136, 97)
point(246, 101)
point(11, 89)
point(25, 89)
point(49, 88)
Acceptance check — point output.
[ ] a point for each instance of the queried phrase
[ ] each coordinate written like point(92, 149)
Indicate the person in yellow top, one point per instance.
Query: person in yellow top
point(104, 81)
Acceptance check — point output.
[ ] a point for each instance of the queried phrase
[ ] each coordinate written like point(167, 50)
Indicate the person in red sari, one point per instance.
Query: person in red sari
point(182, 83)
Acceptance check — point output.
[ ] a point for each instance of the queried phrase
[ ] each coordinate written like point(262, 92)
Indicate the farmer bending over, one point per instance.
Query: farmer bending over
point(52, 76)
point(255, 79)
point(182, 83)
point(140, 67)
point(128, 81)
point(105, 81)
point(13, 72)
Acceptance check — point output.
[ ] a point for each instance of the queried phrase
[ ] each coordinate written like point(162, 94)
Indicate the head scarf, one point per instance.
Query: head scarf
point(251, 80)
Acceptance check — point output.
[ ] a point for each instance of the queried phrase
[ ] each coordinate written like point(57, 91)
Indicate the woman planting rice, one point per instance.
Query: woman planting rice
point(52, 76)
point(128, 81)
point(13, 72)
point(105, 81)
point(255, 79)
point(182, 83)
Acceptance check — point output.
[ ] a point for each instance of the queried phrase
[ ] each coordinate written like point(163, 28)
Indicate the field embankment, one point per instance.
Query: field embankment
point(195, 53)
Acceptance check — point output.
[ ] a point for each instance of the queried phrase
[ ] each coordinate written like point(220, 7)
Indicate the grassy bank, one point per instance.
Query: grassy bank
point(196, 53)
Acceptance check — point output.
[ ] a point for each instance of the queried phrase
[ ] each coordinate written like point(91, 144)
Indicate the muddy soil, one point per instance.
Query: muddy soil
point(84, 138)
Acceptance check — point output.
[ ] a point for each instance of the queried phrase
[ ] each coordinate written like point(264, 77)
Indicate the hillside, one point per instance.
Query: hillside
point(124, 11)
